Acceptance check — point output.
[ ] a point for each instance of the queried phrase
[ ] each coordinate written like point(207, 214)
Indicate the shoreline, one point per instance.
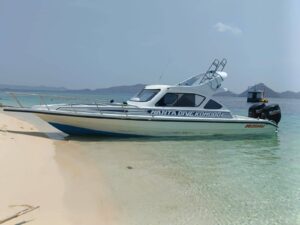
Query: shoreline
point(33, 172)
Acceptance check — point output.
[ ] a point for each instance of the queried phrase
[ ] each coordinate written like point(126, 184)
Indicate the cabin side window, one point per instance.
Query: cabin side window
point(145, 95)
point(211, 104)
point(180, 100)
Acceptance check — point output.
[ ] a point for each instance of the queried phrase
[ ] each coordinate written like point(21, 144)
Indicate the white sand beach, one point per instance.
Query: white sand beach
point(31, 174)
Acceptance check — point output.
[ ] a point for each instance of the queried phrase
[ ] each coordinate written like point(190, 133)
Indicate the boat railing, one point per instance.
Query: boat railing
point(210, 74)
point(43, 101)
point(212, 70)
point(16, 96)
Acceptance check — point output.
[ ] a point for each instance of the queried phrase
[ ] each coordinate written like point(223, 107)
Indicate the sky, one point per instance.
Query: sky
point(102, 43)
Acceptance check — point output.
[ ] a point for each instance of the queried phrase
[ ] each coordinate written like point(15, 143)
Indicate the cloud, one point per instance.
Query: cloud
point(222, 27)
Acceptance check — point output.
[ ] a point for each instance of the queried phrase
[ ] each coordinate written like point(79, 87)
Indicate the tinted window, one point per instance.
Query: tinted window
point(145, 95)
point(180, 100)
point(211, 104)
point(186, 100)
point(170, 99)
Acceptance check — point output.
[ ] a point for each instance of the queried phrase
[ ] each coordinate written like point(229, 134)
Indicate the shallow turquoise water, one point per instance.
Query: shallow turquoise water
point(205, 181)
point(220, 180)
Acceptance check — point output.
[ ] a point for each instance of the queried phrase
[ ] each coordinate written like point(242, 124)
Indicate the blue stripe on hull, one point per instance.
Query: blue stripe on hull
point(72, 130)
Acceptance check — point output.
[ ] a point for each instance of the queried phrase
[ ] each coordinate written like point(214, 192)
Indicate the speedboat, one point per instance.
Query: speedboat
point(185, 109)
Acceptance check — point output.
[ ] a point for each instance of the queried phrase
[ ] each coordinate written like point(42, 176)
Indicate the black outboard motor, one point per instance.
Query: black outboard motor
point(271, 112)
point(255, 110)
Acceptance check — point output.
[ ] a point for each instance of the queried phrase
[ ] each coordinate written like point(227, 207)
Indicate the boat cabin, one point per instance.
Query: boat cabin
point(165, 96)
point(189, 98)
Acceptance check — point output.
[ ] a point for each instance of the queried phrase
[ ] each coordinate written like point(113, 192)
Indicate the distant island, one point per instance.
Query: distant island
point(122, 88)
point(269, 93)
point(131, 89)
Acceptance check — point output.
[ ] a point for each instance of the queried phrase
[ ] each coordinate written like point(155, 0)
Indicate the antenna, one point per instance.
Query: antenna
point(164, 70)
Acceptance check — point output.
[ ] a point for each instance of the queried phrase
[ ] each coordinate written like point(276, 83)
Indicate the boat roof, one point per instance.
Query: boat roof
point(203, 86)
point(157, 86)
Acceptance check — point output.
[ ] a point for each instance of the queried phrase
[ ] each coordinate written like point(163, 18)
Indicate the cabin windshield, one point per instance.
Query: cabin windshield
point(145, 95)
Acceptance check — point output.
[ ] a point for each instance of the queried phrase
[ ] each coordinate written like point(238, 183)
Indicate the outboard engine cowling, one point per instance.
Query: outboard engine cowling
point(256, 110)
point(272, 112)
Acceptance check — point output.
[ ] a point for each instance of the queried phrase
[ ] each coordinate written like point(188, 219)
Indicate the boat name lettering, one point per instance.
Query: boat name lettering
point(188, 113)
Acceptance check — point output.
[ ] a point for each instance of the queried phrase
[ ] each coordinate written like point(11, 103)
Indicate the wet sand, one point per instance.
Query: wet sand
point(68, 190)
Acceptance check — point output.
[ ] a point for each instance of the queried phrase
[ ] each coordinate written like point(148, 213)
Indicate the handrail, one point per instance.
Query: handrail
point(37, 94)
point(43, 102)
point(208, 75)
point(222, 64)
point(13, 95)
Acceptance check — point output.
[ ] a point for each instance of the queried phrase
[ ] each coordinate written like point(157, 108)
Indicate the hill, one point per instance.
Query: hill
point(132, 89)
point(6, 87)
point(226, 94)
point(123, 89)
point(269, 93)
point(290, 94)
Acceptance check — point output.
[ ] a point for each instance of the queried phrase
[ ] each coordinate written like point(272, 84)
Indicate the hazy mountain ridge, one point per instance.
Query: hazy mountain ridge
point(290, 94)
point(6, 87)
point(269, 93)
point(226, 94)
point(122, 88)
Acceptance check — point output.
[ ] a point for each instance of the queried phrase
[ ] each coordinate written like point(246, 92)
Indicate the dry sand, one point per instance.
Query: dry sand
point(68, 190)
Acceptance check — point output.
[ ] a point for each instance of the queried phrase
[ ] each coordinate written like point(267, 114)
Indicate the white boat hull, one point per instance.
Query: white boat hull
point(78, 125)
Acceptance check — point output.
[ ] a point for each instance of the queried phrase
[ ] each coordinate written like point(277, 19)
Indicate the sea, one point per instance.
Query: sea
point(213, 180)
